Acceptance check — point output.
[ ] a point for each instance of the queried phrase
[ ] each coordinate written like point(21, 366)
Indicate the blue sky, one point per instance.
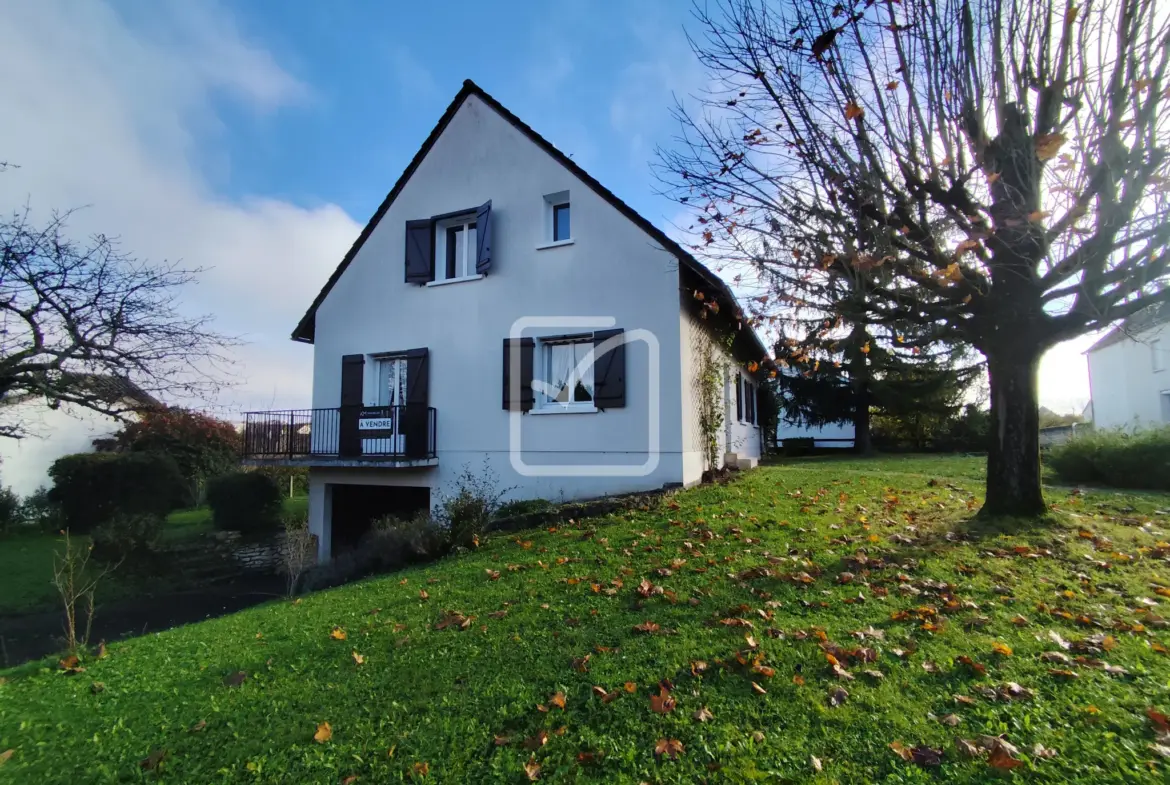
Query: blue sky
point(596, 78)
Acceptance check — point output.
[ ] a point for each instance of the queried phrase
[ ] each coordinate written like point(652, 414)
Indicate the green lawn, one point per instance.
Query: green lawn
point(876, 564)
point(26, 560)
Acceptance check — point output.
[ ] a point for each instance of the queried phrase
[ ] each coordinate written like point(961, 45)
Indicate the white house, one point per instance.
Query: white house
point(461, 330)
point(1129, 380)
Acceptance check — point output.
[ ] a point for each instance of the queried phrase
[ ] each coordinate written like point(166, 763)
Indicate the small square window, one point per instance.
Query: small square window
point(560, 222)
point(566, 384)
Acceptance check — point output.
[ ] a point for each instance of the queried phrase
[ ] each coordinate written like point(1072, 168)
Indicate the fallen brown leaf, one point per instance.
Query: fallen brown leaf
point(668, 748)
point(324, 733)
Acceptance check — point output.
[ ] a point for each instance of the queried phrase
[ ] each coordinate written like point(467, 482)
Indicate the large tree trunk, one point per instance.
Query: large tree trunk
point(1013, 460)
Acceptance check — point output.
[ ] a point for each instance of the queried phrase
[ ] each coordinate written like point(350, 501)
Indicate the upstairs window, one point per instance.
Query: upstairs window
point(451, 247)
point(557, 228)
point(560, 222)
point(455, 241)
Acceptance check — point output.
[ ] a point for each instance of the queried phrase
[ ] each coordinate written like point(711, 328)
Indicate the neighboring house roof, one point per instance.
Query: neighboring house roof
point(1141, 321)
point(306, 328)
point(112, 389)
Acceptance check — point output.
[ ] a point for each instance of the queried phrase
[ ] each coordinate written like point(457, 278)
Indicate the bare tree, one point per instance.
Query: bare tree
point(998, 168)
point(90, 325)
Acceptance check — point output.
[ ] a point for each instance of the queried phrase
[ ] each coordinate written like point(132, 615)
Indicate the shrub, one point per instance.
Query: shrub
point(466, 513)
point(202, 446)
point(89, 489)
point(1138, 459)
point(247, 502)
point(298, 476)
point(298, 551)
point(131, 538)
point(390, 543)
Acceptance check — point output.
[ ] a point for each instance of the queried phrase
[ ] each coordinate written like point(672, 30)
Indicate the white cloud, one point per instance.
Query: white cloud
point(114, 118)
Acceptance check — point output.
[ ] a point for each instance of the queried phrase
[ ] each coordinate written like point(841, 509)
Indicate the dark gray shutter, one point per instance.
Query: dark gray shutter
point(416, 413)
point(522, 351)
point(483, 238)
point(609, 372)
point(349, 443)
point(420, 251)
point(738, 397)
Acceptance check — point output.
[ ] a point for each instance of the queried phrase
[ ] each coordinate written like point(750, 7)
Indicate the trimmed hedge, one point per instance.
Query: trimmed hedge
point(1123, 459)
point(91, 489)
point(246, 502)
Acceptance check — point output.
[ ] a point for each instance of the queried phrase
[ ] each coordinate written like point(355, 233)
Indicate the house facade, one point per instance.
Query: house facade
point(1129, 372)
point(503, 312)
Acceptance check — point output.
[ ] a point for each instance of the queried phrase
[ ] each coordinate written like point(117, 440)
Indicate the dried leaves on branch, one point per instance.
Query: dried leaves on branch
point(989, 173)
point(85, 323)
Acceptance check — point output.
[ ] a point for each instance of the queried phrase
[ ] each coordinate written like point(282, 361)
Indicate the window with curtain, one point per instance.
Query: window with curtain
point(566, 382)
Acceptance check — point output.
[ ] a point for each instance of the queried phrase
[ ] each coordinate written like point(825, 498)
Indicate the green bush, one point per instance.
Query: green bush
point(283, 475)
point(130, 538)
point(90, 489)
point(391, 543)
point(466, 512)
point(1124, 459)
point(247, 502)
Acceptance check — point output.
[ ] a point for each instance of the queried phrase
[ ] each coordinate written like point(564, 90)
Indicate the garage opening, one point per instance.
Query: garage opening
point(356, 507)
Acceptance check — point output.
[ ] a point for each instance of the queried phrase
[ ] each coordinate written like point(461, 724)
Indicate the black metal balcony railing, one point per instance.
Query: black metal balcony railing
point(393, 432)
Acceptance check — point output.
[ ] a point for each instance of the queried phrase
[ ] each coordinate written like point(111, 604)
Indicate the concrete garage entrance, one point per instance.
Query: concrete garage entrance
point(356, 507)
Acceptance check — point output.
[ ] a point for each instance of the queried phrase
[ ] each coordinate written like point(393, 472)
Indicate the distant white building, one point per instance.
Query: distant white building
point(1128, 372)
point(833, 435)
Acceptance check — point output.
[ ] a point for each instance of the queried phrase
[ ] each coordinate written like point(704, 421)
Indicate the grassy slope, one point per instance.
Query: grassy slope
point(439, 697)
point(26, 560)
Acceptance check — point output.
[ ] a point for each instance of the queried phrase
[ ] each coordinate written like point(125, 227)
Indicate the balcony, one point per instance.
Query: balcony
point(346, 435)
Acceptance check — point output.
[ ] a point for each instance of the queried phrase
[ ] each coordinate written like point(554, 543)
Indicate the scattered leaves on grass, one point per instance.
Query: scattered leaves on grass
point(420, 769)
point(97, 687)
point(532, 770)
point(668, 748)
point(197, 727)
point(358, 659)
point(816, 764)
point(4, 756)
point(1002, 649)
point(837, 696)
point(536, 742)
point(647, 628)
point(235, 679)
point(337, 634)
point(703, 714)
point(324, 733)
point(422, 594)
point(757, 689)
point(558, 700)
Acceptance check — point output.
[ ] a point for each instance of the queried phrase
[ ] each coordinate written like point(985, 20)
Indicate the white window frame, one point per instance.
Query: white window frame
point(548, 223)
point(465, 267)
point(1157, 356)
point(547, 405)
